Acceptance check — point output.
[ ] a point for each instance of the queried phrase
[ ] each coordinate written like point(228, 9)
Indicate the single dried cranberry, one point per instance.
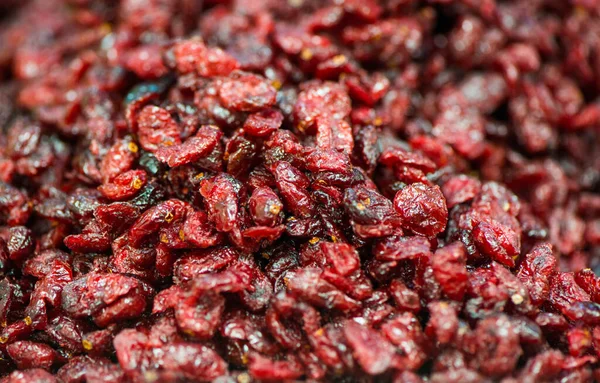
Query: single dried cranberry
point(422, 209)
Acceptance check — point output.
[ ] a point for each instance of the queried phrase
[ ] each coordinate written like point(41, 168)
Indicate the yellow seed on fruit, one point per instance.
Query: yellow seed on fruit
point(306, 54)
point(106, 28)
point(360, 206)
point(517, 299)
point(334, 238)
point(339, 59)
point(181, 235)
point(150, 376)
point(87, 345)
point(313, 240)
point(137, 183)
point(164, 239)
point(276, 84)
point(244, 377)
point(275, 209)
point(377, 121)
point(133, 148)
point(3, 339)
point(169, 217)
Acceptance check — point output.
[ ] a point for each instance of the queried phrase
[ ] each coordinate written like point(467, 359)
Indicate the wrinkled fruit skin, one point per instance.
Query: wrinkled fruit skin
point(400, 191)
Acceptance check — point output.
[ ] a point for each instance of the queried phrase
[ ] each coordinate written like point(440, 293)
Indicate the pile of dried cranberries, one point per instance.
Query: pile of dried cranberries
point(343, 190)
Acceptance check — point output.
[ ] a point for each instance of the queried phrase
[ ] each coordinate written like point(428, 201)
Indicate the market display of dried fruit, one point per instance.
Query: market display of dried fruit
point(313, 190)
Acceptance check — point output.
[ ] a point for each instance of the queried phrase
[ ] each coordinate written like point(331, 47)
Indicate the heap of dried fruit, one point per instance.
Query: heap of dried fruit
point(342, 190)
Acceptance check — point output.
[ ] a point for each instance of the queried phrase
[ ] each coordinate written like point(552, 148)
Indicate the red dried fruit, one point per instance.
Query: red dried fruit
point(422, 209)
point(449, 265)
point(108, 298)
point(156, 128)
point(373, 352)
point(193, 149)
point(246, 92)
point(124, 186)
point(27, 355)
point(399, 191)
point(536, 271)
point(263, 123)
point(221, 196)
point(497, 348)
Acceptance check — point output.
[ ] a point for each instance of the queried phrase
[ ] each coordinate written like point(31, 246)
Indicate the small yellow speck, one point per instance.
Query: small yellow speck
point(87, 345)
point(275, 209)
point(188, 332)
point(360, 206)
point(3, 339)
point(291, 219)
point(313, 240)
point(3, 324)
point(517, 299)
point(377, 121)
point(181, 235)
point(226, 157)
point(164, 239)
point(244, 377)
point(286, 281)
point(137, 183)
point(506, 206)
point(265, 255)
point(581, 11)
point(334, 238)
point(150, 376)
point(27, 320)
point(133, 148)
point(339, 59)
point(276, 84)
point(301, 126)
point(428, 12)
point(169, 217)
point(168, 143)
point(306, 54)
point(244, 358)
point(199, 176)
point(367, 201)
point(106, 28)
point(320, 332)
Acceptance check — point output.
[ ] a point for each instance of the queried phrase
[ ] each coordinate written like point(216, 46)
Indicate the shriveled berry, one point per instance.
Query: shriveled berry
point(422, 209)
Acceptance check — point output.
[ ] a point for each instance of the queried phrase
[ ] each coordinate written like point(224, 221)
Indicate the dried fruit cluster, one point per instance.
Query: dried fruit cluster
point(348, 190)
